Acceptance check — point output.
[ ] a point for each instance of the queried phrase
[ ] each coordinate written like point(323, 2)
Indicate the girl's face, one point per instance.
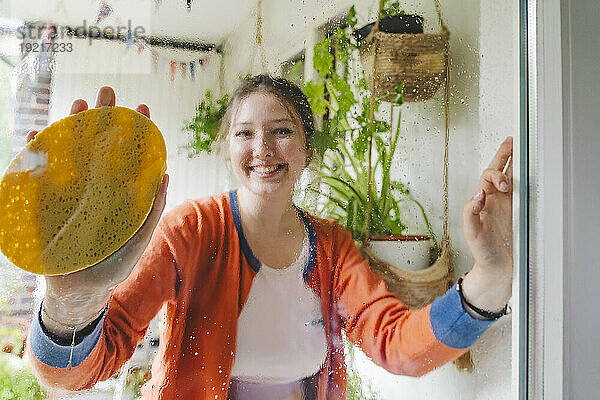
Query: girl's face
point(267, 145)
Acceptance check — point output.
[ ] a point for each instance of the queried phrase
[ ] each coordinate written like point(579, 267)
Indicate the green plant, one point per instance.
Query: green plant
point(11, 338)
point(390, 9)
point(205, 124)
point(17, 382)
point(136, 378)
point(347, 180)
point(356, 387)
point(342, 99)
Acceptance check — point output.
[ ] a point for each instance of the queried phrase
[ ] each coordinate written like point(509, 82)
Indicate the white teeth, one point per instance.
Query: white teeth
point(265, 170)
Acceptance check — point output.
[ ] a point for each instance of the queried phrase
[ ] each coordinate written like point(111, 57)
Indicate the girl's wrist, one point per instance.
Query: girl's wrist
point(62, 316)
point(488, 288)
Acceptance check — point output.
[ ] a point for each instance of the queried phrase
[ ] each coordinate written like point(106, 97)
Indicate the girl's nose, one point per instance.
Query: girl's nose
point(262, 145)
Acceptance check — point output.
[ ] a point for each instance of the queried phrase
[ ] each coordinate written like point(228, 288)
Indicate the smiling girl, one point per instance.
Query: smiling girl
point(257, 291)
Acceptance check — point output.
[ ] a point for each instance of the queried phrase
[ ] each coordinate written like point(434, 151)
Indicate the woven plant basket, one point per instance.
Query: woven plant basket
point(419, 288)
point(415, 288)
point(418, 61)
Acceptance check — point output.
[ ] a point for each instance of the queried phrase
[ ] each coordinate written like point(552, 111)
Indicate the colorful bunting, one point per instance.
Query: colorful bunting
point(187, 69)
point(105, 12)
point(141, 45)
point(130, 39)
point(204, 62)
point(183, 69)
point(154, 60)
point(173, 65)
point(193, 70)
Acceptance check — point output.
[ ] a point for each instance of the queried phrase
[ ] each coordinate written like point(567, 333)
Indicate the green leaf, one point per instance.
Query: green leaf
point(338, 202)
point(315, 92)
point(346, 153)
point(381, 126)
point(391, 9)
point(351, 19)
point(399, 90)
point(360, 145)
point(323, 59)
point(343, 47)
point(399, 186)
point(343, 93)
point(343, 188)
point(321, 141)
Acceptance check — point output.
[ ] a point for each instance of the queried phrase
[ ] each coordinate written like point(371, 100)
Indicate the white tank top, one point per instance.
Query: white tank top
point(280, 331)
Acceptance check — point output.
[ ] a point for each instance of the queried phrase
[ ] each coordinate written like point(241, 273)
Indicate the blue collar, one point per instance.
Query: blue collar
point(251, 258)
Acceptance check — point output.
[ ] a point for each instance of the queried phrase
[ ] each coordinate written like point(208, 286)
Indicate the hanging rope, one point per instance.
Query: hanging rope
point(258, 41)
point(446, 237)
point(438, 10)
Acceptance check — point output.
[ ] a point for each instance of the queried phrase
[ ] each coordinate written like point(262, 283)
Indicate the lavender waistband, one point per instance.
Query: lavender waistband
point(242, 390)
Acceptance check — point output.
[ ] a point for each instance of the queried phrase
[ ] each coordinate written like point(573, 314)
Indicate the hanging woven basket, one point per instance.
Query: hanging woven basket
point(415, 288)
point(418, 61)
point(415, 60)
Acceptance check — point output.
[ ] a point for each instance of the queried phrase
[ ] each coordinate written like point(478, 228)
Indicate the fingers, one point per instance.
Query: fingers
point(502, 155)
point(471, 210)
point(493, 180)
point(143, 109)
point(160, 199)
point(158, 206)
point(106, 97)
point(162, 189)
point(478, 202)
point(509, 171)
point(78, 105)
point(31, 135)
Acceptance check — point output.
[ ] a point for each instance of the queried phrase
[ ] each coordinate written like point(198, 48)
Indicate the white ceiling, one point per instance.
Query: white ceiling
point(207, 21)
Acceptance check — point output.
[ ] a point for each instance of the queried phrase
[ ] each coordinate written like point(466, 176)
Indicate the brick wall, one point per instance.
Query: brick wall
point(32, 98)
point(31, 104)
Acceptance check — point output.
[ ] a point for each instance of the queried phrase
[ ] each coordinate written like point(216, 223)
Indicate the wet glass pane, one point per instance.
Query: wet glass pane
point(313, 228)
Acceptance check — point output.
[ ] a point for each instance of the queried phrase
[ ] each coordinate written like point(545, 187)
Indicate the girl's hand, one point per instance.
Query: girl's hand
point(73, 300)
point(487, 217)
point(487, 226)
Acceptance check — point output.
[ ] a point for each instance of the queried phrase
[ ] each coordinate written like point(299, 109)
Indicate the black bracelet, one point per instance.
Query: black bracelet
point(79, 335)
point(486, 314)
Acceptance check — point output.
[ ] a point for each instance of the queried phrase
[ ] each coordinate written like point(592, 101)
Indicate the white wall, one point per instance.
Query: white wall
point(483, 111)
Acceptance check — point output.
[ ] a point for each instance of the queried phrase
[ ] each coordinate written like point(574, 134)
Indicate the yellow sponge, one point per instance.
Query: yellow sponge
point(78, 191)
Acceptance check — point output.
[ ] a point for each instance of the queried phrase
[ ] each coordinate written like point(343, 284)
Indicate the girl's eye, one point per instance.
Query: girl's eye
point(283, 131)
point(244, 133)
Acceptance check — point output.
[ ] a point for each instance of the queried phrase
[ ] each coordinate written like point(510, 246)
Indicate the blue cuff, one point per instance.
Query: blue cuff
point(452, 325)
point(56, 355)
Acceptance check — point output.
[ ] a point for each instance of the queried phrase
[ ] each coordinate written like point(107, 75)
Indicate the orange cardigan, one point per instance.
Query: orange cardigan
point(199, 264)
